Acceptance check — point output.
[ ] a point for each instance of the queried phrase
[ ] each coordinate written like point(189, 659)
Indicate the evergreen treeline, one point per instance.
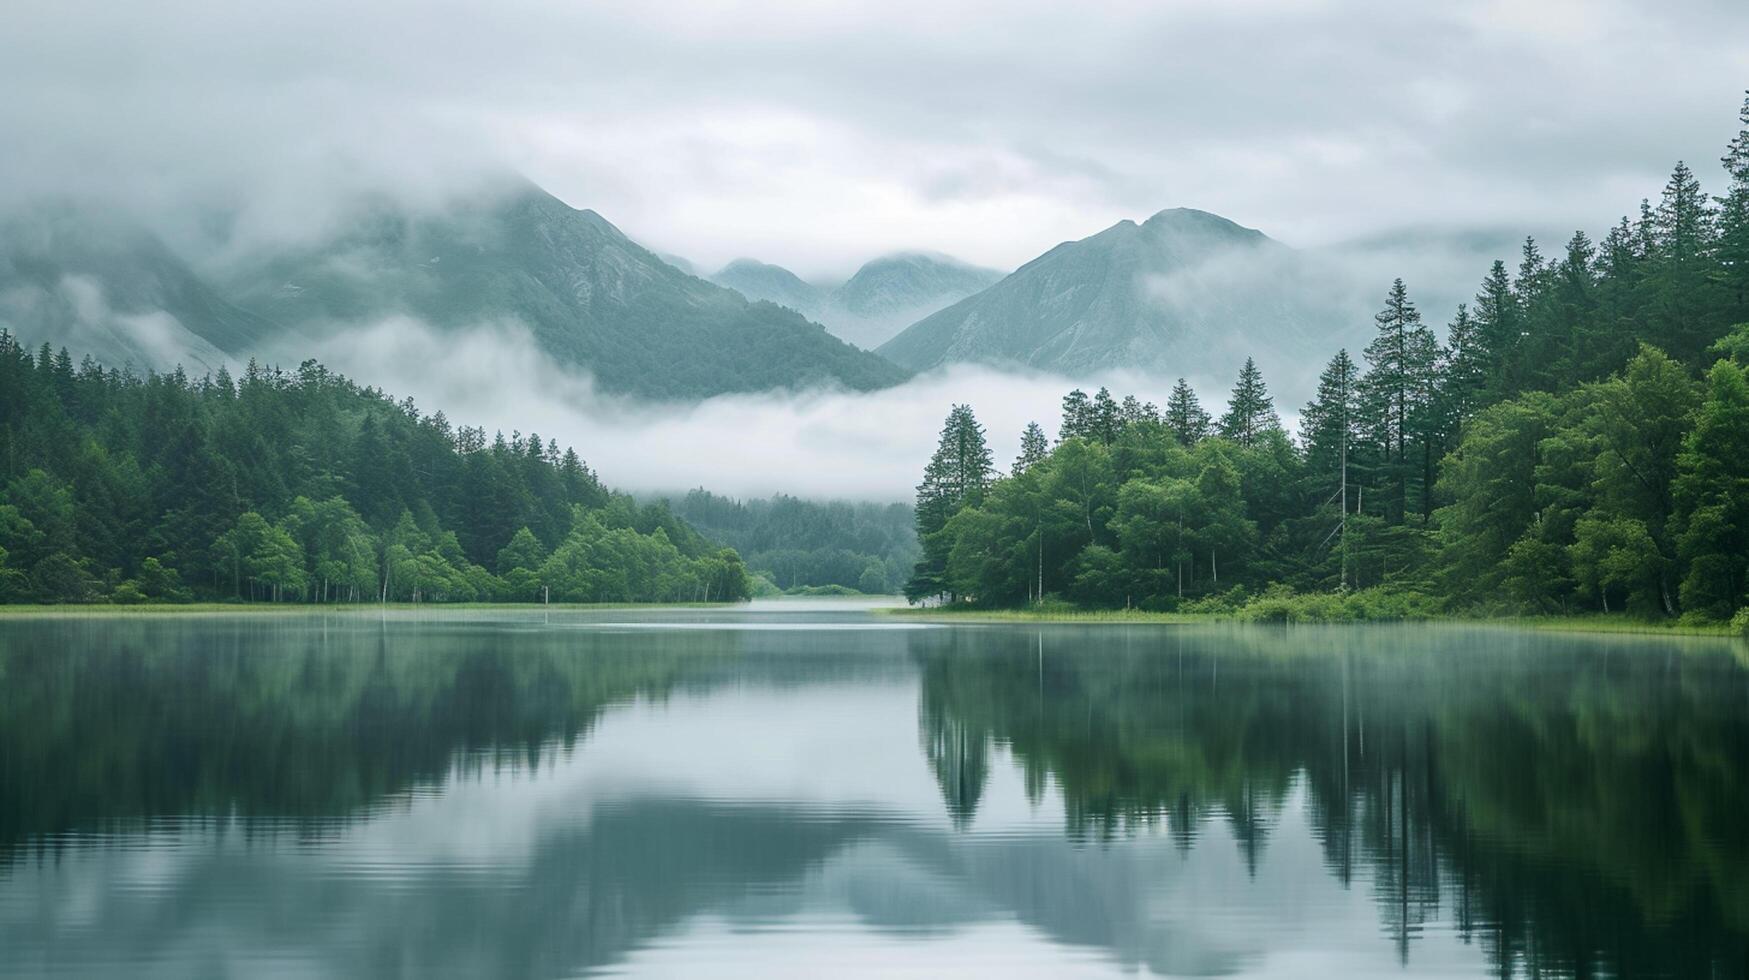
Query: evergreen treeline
point(306, 487)
point(803, 544)
point(1578, 440)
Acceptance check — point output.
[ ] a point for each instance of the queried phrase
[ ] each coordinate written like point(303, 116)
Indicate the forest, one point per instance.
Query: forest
point(305, 487)
point(795, 545)
point(1578, 440)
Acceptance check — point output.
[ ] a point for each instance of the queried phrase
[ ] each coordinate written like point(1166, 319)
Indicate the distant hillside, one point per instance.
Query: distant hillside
point(773, 284)
point(883, 297)
point(592, 297)
point(1185, 293)
point(97, 283)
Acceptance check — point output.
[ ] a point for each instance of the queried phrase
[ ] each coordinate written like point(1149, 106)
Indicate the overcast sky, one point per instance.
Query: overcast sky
point(816, 134)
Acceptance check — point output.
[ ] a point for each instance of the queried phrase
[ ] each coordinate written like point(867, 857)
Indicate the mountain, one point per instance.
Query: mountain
point(904, 281)
point(1184, 293)
point(94, 281)
point(893, 291)
point(590, 296)
point(772, 283)
point(883, 297)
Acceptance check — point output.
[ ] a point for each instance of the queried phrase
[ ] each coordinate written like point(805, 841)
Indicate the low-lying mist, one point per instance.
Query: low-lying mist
point(815, 443)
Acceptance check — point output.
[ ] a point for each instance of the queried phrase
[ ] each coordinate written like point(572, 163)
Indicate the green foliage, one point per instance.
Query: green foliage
point(1711, 494)
point(1281, 604)
point(956, 478)
point(1250, 411)
point(1557, 453)
point(299, 487)
point(868, 547)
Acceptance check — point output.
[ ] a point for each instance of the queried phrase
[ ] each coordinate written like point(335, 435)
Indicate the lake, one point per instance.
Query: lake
point(800, 789)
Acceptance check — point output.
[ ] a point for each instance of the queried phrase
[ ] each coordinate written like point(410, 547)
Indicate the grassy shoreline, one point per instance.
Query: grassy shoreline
point(1586, 623)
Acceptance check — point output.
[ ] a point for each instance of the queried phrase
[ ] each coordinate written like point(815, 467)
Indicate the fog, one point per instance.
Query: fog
point(817, 134)
point(818, 443)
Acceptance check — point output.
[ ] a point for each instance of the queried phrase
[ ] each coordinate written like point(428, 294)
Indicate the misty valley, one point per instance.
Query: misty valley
point(908, 537)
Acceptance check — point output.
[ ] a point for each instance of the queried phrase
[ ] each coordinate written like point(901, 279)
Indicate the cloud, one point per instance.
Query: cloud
point(816, 134)
point(818, 443)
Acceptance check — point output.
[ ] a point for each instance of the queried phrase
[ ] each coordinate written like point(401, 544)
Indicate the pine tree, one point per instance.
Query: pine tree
point(1185, 415)
point(1329, 423)
point(1033, 448)
point(1397, 390)
point(1251, 411)
point(1105, 418)
point(955, 478)
point(1733, 223)
point(1500, 330)
point(1464, 371)
point(1681, 279)
point(1077, 416)
point(1134, 411)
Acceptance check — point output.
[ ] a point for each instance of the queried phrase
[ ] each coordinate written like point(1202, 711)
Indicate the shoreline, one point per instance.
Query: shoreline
point(1586, 623)
point(95, 609)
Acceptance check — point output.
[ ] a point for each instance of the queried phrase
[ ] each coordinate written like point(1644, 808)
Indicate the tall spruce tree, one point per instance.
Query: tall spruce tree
point(1185, 415)
point(1681, 316)
point(1733, 224)
point(1251, 411)
point(1034, 447)
point(1500, 330)
point(1464, 371)
point(1104, 418)
point(1397, 391)
point(956, 478)
point(1329, 424)
point(1077, 416)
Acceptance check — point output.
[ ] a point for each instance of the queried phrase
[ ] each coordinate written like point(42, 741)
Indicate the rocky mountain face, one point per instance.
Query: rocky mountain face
point(590, 296)
point(1184, 293)
point(883, 297)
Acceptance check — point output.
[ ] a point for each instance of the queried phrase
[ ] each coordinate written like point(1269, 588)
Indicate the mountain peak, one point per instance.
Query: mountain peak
point(1195, 221)
point(1185, 291)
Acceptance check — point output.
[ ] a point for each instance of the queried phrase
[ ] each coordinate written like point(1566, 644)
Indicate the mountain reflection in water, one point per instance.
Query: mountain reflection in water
point(519, 794)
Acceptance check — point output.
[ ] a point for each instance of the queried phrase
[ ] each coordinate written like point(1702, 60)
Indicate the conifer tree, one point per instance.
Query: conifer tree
point(1134, 410)
point(1464, 370)
point(1500, 330)
point(1034, 447)
point(1733, 224)
point(955, 478)
point(1077, 416)
point(1251, 411)
point(1681, 275)
point(1329, 423)
point(1104, 418)
point(1185, 415)
point(1398, 387)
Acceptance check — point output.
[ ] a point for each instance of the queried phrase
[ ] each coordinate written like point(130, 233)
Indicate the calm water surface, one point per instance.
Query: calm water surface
point(808, 789)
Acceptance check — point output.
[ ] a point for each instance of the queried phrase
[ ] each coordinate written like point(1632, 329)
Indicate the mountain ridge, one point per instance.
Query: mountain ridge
point(1185, 290)
point(590, 296)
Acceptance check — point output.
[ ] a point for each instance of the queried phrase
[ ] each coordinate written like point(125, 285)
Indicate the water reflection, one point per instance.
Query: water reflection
point(1576, 805)
point(482, 794)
